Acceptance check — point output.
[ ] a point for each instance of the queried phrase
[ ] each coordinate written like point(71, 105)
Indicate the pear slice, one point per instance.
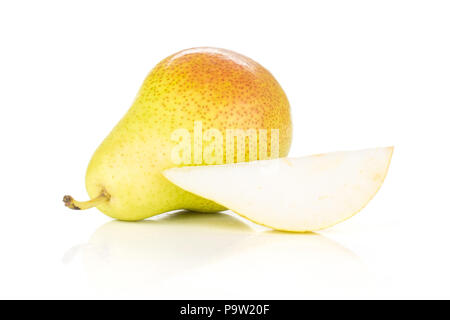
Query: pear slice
point(291, 194)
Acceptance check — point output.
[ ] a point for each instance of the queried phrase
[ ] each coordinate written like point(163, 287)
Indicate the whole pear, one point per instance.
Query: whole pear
point(219, 88)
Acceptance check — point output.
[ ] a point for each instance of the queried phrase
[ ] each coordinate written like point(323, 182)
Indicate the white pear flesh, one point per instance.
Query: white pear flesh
point(291, 194)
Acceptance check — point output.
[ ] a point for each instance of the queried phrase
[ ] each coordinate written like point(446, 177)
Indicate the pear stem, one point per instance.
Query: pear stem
point(83, 205)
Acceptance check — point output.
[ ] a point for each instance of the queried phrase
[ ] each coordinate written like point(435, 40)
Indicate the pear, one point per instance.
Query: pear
point(216, 88)
point(292, 194)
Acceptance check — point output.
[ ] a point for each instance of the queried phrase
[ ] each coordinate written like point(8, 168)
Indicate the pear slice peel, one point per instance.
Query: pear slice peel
point(291, 194)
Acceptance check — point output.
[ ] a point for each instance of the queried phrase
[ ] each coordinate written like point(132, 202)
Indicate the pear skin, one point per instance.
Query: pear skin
point(222, 89)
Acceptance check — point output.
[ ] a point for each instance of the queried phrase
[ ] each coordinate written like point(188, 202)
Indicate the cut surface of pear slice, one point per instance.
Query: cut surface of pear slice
point(291, 194)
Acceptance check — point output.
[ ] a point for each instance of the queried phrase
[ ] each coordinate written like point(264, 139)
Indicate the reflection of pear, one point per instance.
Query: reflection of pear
point(285, 265)
point(219, 88)
point(212, 254)
point(139, 254)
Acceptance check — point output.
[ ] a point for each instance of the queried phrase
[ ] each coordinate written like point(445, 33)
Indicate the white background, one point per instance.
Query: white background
point(358, 74)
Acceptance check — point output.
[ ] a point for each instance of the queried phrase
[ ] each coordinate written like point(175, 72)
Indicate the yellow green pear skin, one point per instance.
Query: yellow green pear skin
point(221, 88)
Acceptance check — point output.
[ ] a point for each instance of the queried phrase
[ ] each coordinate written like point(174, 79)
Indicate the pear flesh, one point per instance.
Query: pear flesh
point(291, 194)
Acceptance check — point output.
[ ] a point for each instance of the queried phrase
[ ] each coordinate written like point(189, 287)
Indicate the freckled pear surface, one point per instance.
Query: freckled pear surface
point(222, 89)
